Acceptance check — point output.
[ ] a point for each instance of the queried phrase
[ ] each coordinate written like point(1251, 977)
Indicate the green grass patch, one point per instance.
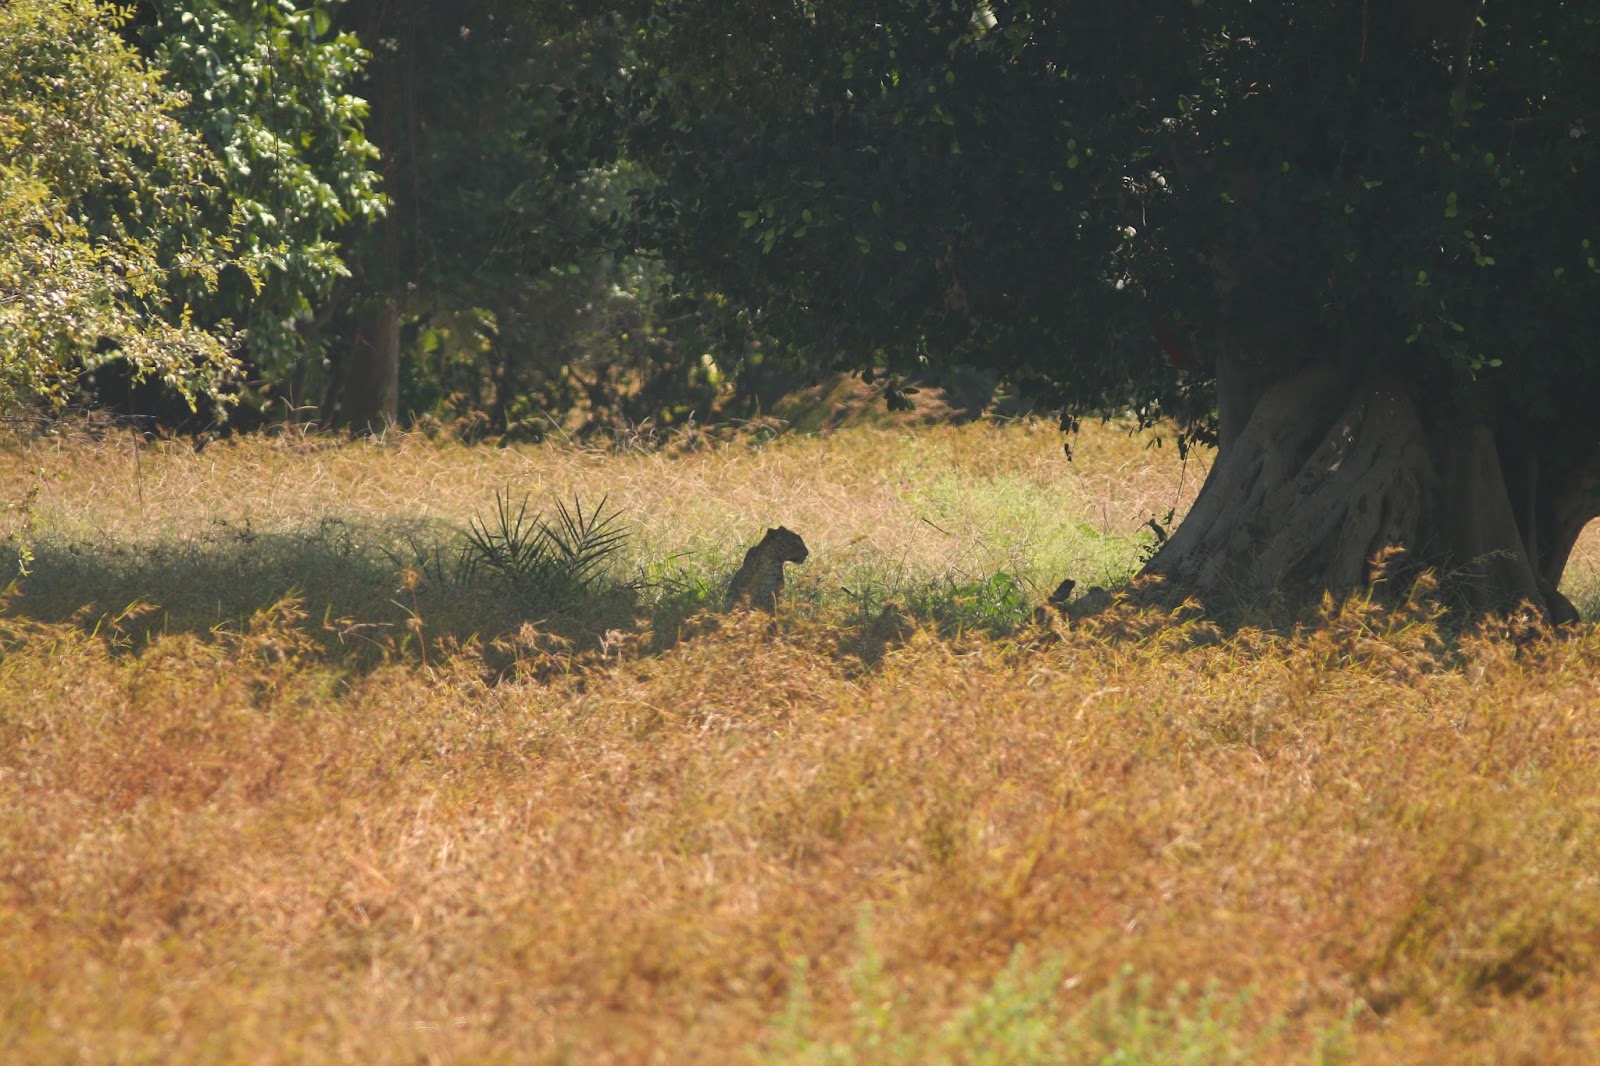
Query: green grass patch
point(1033, 1013)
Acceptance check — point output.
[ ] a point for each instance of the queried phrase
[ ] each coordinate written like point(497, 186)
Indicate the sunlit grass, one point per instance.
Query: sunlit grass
point(241, 827)
point(1581, 582)
point(892, 518)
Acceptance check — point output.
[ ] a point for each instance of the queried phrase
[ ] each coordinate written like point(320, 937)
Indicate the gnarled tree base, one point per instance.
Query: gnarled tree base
point(1328, 475)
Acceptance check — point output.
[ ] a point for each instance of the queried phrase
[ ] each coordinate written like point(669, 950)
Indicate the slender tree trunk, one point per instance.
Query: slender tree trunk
point(1333, 482)
point(365, 393)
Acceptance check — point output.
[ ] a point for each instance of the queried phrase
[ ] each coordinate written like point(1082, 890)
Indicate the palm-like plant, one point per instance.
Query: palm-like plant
point(547, 561)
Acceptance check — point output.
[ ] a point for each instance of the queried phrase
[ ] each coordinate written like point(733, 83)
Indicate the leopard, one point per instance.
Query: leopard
point(760, 579)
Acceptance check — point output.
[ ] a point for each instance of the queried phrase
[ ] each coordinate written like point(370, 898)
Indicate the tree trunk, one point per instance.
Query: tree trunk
point(1333, 482)
point(1326, 480)
point(1555, 491)
point(365, 393)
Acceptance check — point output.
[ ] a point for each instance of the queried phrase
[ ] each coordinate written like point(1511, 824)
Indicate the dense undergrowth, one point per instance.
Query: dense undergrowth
point(307, 799)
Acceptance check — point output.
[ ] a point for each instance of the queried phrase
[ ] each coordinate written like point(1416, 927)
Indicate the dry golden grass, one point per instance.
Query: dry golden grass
point(1361, 843)
point(889, 515)
point(888, 487)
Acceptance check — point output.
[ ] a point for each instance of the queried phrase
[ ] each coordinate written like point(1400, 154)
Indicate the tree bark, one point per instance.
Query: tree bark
point(365, 393)
point(1555, 491)
point(1334, 483)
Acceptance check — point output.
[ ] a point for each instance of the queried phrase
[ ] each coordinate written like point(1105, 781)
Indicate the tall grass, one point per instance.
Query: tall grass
point(871, 832)
point(970, 526)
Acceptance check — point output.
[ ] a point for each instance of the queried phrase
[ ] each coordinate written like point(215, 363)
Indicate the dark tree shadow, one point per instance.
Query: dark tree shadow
point(366, 595)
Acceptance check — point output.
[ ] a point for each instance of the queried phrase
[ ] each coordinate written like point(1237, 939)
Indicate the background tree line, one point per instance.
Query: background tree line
point(350, 214)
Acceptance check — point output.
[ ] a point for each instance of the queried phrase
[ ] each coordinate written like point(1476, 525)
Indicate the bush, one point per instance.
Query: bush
point(100, 192)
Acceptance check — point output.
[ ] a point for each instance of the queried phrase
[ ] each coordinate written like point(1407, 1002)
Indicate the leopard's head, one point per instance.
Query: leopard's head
point(786, 544)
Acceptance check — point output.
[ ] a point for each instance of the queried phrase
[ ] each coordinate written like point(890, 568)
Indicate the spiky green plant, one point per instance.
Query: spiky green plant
point(548, 562)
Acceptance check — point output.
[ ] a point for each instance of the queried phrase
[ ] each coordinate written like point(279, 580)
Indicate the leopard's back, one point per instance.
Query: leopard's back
point(760, 579)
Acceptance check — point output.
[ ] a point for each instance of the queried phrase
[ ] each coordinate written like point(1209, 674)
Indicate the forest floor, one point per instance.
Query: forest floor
point(291, 772)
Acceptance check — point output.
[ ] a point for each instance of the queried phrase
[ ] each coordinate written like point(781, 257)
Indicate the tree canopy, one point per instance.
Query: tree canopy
point(174, 210)
point(269, 88)
point(101, 187)
point(1043, 186)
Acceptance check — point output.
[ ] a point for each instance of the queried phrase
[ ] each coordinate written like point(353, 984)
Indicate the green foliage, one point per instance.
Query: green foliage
point(994, 603)
point(545, 562)
point(270, 88)
point(1048, 189)
point(1019, 1018)
point(894, 189)
point(529, 306)
point(675, 591)
point(102, 231)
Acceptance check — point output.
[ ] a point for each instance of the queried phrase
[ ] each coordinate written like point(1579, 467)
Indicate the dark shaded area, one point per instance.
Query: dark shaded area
point(369, 595)
point(156, 408)
point(364, 596)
